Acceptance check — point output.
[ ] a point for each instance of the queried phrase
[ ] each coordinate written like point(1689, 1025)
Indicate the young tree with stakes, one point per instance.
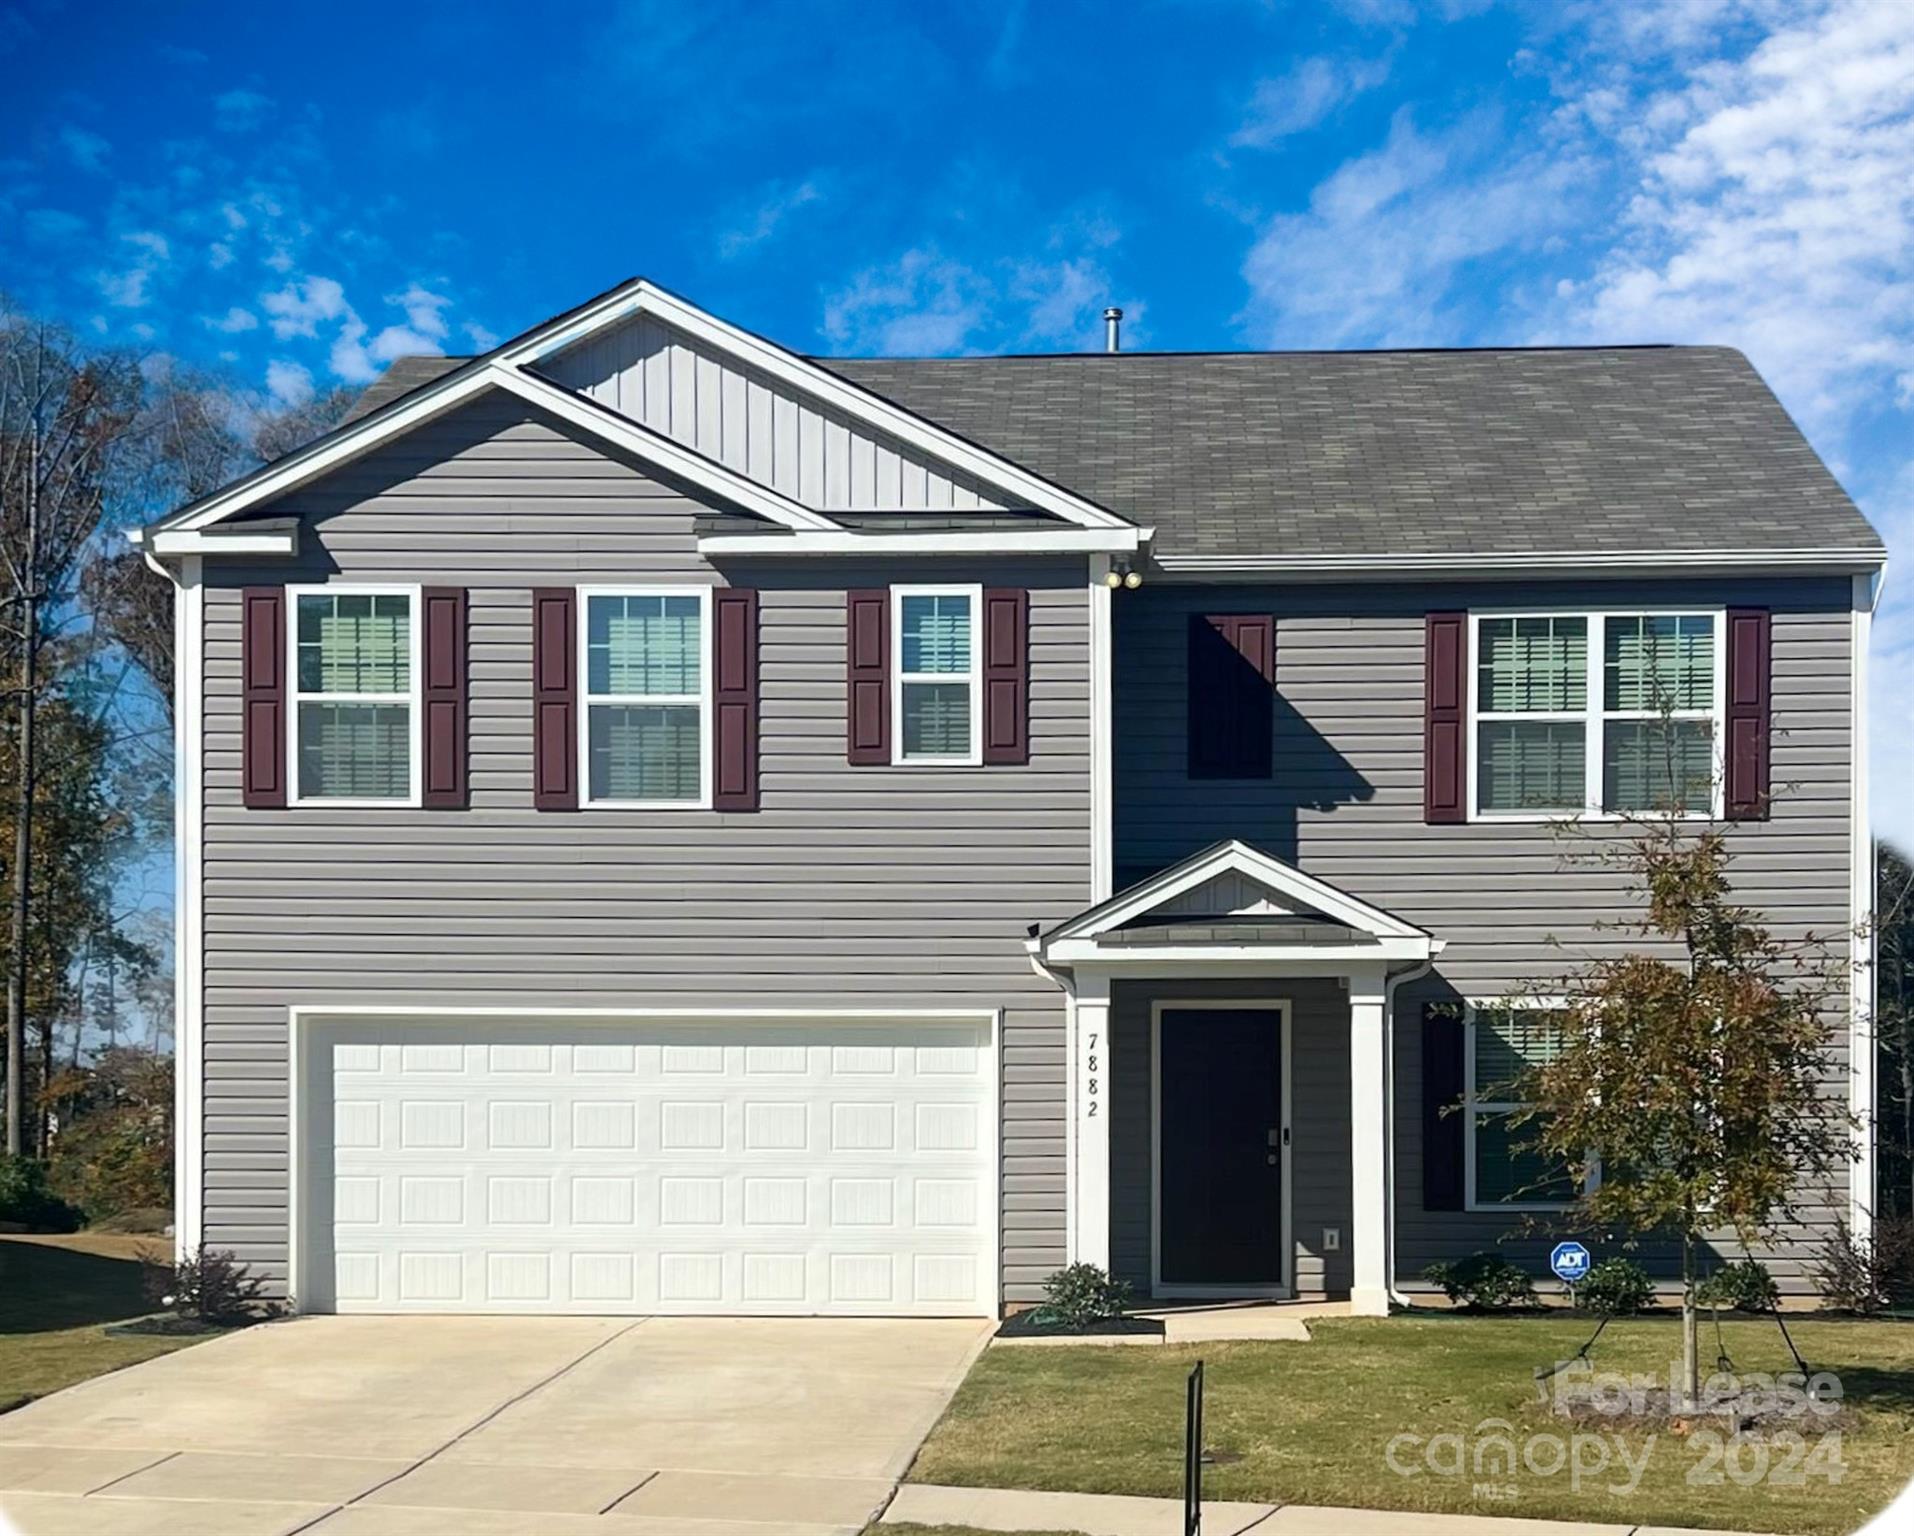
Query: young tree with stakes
point(1689, 1089)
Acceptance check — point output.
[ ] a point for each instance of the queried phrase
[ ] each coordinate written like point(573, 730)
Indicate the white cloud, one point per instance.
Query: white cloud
point(289, 383)
point(482, 340)
point(923, 303)
point(928, 302)
point(152, 242)
point(240, 111)
point(759, 224)
point(424, 310)
point(1304, 97)
point(219, 255)
point(1377, 253)
point(87, 150)
point(1775, 211)
point(234, 321)
point(299, 308)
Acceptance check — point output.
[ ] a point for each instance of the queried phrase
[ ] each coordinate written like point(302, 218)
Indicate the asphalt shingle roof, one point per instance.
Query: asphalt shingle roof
point(1542, 450)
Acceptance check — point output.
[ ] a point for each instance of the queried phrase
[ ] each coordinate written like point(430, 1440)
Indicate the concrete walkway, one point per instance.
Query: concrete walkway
point(490, 1426)
point(1100, 1514)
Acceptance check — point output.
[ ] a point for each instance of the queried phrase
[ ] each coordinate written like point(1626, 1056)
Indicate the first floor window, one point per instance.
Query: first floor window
point(352, 704)
point(937, 674)
point(1612, 713)
point(1505, 1169)
point(645, 700)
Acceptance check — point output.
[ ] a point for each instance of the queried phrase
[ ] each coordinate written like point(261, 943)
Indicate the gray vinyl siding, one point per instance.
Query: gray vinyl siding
point(1319, 1121)
point(1516, 904)
point(865, 887)
point(750, 422)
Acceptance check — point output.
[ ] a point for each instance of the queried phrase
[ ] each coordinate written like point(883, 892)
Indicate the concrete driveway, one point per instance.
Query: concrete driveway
point(484, 1426)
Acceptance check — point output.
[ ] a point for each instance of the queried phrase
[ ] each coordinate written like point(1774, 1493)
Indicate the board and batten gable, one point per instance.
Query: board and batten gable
point(851, 886)
point(749, 422)
point(1515, 903)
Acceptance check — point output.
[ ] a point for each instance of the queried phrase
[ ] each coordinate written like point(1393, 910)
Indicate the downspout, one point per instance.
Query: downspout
point(1414, 973)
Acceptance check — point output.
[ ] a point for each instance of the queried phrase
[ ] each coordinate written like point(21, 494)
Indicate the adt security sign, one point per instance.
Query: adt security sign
point(1570, 1262)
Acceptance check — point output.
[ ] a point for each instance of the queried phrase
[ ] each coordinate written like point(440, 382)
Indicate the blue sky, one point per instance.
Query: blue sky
point(303, 197)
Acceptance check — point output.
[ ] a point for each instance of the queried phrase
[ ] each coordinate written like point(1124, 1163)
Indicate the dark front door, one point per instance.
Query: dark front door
point(1220, 1157)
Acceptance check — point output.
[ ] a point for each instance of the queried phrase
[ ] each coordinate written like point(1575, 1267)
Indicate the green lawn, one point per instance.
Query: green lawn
point(904, 1528)
point(55, 1292)
point(1312, 1423)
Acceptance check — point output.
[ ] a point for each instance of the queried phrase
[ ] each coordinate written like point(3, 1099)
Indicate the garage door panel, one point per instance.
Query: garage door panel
point(778, 1167)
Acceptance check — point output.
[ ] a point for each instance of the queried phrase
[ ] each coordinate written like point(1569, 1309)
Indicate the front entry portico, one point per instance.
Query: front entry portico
point(1253, 973)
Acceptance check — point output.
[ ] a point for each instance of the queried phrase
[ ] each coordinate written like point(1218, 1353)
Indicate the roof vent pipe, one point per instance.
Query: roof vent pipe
point(1112, 324)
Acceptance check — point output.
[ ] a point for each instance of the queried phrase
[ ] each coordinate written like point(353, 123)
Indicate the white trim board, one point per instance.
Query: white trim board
point(972, 677)
point(1862, 896)
point(304, 1021)
point(1236, 857)
point(1726, 562)
point(413, 699)
point(507, 367)
point(834, 390)
point(707, 668)
point(189, 931)
point(1285, 1284)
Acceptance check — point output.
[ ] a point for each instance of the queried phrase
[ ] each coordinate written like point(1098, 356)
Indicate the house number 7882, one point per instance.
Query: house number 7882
point(1090, 1076)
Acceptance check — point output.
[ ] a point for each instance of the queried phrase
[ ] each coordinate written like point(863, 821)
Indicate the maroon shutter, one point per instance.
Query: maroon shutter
point(1445, 745)
point(554, 699)
point(1746, 755)
point(1443, 1146)
point(1006, 675)
point(734, 699)
point(262, 670)
point(442, 698)
point(867, 682)
point(1231, 695)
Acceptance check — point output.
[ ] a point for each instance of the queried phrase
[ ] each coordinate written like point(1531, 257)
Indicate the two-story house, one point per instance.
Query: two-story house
point(669, 824)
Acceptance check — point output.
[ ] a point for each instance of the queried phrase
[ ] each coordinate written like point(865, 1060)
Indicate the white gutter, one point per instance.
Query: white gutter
point(1059, 541)
point(1729, 561)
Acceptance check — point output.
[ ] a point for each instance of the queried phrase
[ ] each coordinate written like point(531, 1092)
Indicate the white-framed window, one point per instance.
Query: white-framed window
point(1601, 712)
point(353, 685)
point(936, 675)
point(1501, 1042)
point(645, 709)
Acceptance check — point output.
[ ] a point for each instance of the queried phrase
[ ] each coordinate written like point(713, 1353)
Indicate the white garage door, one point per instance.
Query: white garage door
point(777, 1167)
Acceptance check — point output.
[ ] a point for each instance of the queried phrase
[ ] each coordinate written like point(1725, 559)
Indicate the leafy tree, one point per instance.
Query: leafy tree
point(62, 413)
point(1894, 1031)
point(1695, 1079)
point(114, 1151)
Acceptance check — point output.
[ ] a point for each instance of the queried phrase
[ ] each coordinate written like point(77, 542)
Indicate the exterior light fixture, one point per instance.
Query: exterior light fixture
point(1114, 580)
point(1133, 579)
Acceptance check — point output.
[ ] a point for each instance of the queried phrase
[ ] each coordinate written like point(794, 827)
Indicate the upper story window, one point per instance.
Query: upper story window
point(1504, 1171)
point(1598, 713)
point(938, 699)
point(647, 697)
point(354, 706)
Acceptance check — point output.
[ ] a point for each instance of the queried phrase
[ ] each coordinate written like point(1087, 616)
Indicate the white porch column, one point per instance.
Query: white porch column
point(1089, 1202)
point(1369, 1145)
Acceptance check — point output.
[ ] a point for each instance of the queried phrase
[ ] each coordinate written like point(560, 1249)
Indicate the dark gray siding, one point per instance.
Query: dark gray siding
point(865, 887)
point(1319, 1121)
point(1516, 904)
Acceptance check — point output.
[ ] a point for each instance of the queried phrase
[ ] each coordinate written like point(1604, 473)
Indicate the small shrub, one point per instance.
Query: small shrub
point(1483, 1282)
point(1083, 1295)
point(211, 1286)
point(1742, 1287)
point(1866, 1275)
point(26, 1200)
point(1615, 1288)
